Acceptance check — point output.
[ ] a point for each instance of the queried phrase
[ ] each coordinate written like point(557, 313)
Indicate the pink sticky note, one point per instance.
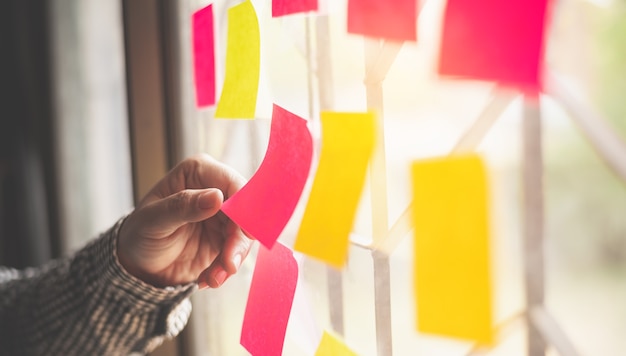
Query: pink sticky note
point(269, 301)
point(494, 40)
point(204, 56)
point(390, 19)
point(288, 7)
point(263, 206)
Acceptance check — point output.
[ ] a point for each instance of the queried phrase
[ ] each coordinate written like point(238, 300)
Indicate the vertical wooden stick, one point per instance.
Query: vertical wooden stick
point(378, 188)
point(533, 218)
point(311, 67)
point(382, 300)
point(378, 166)
point(323, 66)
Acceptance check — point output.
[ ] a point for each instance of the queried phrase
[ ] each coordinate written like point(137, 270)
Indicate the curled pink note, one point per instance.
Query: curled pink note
point(269, 301)
point(263, 206)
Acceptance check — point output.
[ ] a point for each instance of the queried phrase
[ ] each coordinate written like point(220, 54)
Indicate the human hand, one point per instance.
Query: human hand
point(178, 235)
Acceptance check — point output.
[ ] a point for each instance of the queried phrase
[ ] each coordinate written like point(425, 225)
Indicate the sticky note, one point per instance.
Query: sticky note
point(269, 301)
point(452, 257)
point(494, 40)
point(203, 56)
point(288, 7)
point(243, 58)
point(264, 205)
point(389, 19)
point(333, 346)
point(347, 146)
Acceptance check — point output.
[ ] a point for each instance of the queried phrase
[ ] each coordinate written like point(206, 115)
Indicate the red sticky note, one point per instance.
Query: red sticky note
point(288, 7)
point(390, 19)
point(204, 56)
point(264, 205)
point(494, 40)
point(269, 301)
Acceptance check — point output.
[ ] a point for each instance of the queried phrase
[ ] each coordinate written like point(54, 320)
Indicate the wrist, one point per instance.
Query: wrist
point(127, 262)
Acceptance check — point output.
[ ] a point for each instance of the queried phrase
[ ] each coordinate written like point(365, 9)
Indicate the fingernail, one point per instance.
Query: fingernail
point(219, 277)
point(237, 261)
point(202, 285)
point(206, 200)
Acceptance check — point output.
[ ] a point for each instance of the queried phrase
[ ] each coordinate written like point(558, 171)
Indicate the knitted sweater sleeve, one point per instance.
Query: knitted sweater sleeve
point(87, 305)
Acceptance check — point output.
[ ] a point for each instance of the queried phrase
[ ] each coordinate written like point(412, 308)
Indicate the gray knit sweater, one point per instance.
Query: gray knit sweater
point(87, 305)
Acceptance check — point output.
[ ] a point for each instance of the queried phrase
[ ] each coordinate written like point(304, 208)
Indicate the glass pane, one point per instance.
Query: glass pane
point(426, 116)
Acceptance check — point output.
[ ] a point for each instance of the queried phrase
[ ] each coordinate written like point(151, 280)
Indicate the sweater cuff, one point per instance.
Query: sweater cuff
point(111, 278)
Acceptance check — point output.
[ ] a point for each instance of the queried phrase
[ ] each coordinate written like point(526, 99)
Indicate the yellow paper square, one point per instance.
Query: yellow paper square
point(452, 257)
point(347, 146)
point(243, 58)
point(332, 346)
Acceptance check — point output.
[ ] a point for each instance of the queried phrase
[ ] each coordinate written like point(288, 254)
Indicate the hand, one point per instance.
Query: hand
point(178, 235)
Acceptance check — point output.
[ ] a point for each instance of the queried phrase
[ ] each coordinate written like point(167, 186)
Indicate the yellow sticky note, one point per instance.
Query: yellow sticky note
point(332, 346)
point(452, 257)
point(347, 145)
point(241, 81)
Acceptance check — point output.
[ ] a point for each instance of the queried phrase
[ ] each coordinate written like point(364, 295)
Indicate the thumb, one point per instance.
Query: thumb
point(189, 205)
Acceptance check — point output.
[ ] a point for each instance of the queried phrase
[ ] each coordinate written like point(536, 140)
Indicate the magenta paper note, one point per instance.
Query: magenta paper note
point(269, 301)
point(389, 19)
point(494, 40)
point(288, 7)
point(263, 206)
point(204, 56)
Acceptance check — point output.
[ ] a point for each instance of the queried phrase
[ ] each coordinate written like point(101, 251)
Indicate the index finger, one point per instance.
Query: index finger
point(204, 171)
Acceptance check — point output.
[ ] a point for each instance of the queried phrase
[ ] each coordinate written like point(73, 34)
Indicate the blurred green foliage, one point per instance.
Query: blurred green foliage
point(610, 63)
point(586, 201)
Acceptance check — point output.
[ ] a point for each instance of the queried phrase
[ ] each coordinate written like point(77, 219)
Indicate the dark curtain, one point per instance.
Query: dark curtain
point(28, 219)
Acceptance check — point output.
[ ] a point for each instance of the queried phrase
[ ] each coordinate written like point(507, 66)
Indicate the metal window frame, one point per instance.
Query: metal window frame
point(157, 87)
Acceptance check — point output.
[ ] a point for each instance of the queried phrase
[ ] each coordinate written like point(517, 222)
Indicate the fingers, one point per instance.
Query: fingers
point(234, 251)
point(204, 171)
point(190, 205)
point(183, 196)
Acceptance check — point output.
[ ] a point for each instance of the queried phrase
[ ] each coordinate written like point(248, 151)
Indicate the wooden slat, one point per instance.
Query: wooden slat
point(532, 171)
point(610, 147)
point(145, 91)
point(473, 136)
point(379, 56)
point(322, 66)
point(552, 332)
point(147, 104)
